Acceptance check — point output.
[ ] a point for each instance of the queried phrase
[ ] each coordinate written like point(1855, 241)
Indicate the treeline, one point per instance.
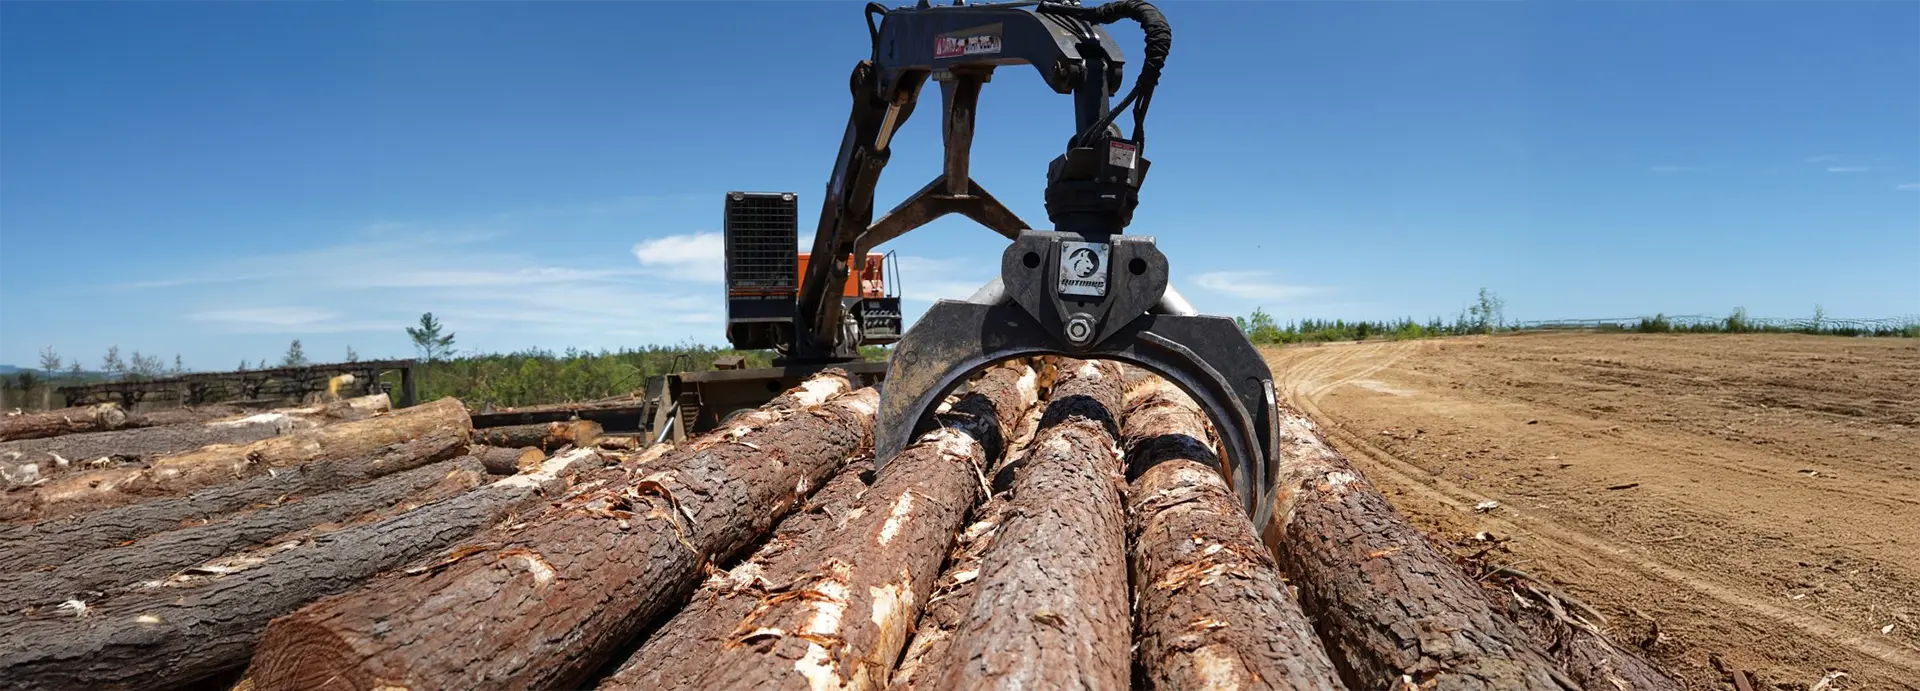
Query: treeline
point(536, 376)
point(1487, 314)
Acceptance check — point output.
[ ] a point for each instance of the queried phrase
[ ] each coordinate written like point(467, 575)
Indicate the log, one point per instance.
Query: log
point(809, 394)
point(1211, 609)
point(28, 461)
point(1052, 611)
point(206, 622)
point(218, 464)
point(839, 615)
point(1389, 605)
point(953, 594)
point(53, 423)
point(544, 603)
point(507, 461)
point(1580, 647)
point(103, 573)
point(549, 436)
point(731, 595)
point(47, 543)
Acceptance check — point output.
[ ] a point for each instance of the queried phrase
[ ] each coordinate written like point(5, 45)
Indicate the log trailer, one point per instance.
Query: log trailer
point(1084, 289)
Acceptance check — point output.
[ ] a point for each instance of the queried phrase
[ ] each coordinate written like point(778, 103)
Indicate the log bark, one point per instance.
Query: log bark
point(28, 461)
point(47, 543)
point(544, 603)
point(1388, 604)
point(1211, 609)
point(1051, 611)
point(955, 591)
point(1580, 647)
point(101, 574)
point(839, 616)
point(688, 638)
point(53, 423)
point(206, 622)
point(218, 464)
point(501, 460)
point(548, 436)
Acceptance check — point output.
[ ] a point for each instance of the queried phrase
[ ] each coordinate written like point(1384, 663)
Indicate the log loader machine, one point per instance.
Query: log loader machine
point(1084, 289)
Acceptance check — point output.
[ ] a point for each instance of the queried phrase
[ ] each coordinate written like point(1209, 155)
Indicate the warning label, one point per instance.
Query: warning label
point(984, 40)
point(1083, 268)
point(1122, 154)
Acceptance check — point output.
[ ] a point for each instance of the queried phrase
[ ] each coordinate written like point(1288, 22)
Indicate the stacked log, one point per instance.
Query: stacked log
point(29, 461)
point(83, 577)
point(47, 543)
point(550, 436)
point(1051, 607)
point(575, 582)
point(507, 461)
point(1211, 609)
point(838, 613)
point(206, 622)
point(1390, 606)
point(208, 466)
point(53, 423)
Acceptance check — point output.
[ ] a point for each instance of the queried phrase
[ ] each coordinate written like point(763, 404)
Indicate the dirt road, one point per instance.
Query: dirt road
point(1754, 499)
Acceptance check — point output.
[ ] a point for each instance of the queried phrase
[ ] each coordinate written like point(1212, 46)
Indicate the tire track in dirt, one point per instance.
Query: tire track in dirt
point(1303, 391)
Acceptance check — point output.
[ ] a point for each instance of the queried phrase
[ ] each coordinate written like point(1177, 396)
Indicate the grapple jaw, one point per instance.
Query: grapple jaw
point(1085, 296)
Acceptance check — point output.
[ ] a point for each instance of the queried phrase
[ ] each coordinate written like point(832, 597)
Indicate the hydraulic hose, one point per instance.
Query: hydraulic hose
point(1159, 38)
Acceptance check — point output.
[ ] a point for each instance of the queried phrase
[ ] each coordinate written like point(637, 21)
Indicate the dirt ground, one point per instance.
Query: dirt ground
point(1725, 500)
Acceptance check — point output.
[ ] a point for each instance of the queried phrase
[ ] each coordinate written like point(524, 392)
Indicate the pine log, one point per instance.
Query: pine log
point(1581, 648)
point(53, 423)
point(1389, 605)
point(668, 657)
point(844, 609)
point(90, 576)
point(28, 461)
point(809, 394)
point(546, 436)
point(544, 603)
point(501, 460)
point(1052, 611)
point(218, 464)
point(206, 621)
point(1211, 609)
point(47, 543)
point(954, 592)
point(186, 415)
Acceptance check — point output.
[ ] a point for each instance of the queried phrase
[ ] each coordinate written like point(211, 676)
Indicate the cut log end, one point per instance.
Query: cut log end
point(320, 661)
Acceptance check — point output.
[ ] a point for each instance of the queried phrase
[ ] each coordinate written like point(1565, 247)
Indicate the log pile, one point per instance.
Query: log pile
point(1061, 526)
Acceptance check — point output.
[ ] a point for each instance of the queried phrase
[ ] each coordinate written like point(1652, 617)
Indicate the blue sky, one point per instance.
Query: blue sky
point(216, 179)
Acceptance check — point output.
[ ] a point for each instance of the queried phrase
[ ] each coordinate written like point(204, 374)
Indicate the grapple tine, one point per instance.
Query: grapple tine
point(1207, 357)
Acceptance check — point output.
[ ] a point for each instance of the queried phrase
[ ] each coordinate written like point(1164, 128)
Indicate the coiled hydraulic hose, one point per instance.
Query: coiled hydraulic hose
point(1159, 37)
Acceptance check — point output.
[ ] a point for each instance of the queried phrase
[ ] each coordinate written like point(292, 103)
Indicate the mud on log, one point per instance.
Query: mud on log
point(206, 621)
point(546, 436)
point(92, 575)
point(839, 615)
point(28, 461)
point(1051, 611)
point(47, 543)
point(1388, 604)
point(180, 473)
point(53, 423)
point(542, 604)
point(1211, 610)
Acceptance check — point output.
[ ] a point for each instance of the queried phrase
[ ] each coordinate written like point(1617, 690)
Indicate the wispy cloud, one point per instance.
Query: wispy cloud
point(1254, 285)
point(694, 257)
point(1823, 158)
point(288, 319)
point(927, 279)
point(1908, 187)
point(1676, 169)
point(1848, 169)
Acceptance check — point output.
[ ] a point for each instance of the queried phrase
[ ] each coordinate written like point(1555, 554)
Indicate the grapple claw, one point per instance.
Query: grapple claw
point(1208, 357)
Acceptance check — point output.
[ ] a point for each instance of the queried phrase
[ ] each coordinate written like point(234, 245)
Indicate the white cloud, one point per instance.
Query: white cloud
point(1848, 169)
point(1675, 169)
point(1824, 158)
point(1254, 285)
point(926, 279)
point(288, 320)
point(1910, 187)
point(694, 257)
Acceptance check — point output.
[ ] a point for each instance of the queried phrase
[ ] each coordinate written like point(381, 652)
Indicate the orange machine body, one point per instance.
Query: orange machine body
point(870, 282)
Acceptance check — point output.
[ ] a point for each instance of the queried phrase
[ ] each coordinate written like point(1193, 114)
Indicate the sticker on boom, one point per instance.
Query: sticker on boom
point(1083, 268)
point(983, 40)
point(1122, 154)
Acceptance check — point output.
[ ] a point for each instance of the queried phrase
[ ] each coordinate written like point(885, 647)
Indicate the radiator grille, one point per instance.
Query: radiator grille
point(761, 235)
